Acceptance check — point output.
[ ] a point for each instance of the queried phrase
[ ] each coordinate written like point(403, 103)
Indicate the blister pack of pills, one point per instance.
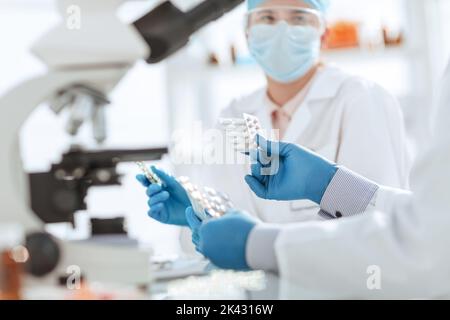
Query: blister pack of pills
point(253, 128)
point(242, 132)
point(206, 202)
point(153, 178)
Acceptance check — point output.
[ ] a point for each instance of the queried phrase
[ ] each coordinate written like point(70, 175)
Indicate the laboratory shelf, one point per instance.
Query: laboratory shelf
point(371, 54)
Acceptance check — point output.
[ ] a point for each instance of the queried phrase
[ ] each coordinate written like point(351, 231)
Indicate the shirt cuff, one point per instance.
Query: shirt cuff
point(348, 194)
point(260, 249)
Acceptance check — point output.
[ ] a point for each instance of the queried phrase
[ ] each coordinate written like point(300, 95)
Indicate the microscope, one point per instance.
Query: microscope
point(83, 67)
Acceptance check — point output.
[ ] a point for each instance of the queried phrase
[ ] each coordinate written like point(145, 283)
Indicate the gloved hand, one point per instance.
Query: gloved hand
point(168, 202)
point(223, 241)
point(301, 173)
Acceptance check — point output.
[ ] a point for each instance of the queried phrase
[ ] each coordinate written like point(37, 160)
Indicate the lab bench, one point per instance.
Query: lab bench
point(192, 279)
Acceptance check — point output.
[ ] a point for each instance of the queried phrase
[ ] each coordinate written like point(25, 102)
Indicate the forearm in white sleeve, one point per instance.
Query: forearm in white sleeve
point(348, 194)
point(260, 250)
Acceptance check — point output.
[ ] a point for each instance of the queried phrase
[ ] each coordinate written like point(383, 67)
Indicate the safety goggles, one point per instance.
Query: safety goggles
point(292, 15)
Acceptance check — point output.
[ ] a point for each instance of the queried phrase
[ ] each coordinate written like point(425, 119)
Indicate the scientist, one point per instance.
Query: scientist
point(344, 118)
point(349, 120)
point(403, 237)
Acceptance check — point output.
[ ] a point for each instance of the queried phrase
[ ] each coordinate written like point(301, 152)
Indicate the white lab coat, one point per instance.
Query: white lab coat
point(407, 237)
point(344, 118)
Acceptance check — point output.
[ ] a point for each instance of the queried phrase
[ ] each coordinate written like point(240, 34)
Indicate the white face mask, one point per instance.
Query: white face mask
point(285, 52)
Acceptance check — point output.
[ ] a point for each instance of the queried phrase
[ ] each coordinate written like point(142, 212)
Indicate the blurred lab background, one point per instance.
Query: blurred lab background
point(399, 44)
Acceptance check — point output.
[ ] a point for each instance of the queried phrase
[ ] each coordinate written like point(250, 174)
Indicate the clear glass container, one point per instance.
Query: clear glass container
point(12, 258)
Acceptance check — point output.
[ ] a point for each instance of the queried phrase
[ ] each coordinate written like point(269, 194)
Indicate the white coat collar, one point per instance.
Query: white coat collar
point(326, 85)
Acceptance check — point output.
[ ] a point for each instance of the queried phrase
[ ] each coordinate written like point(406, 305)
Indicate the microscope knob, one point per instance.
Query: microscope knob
point(44, 254)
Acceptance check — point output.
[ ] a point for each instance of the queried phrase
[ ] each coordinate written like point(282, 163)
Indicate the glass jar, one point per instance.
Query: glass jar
point(12, 258)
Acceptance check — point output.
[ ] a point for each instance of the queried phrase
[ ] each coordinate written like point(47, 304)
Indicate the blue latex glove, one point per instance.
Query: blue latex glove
point(223, 241)
point(168, 202)
point(301, 173)
point(194, 223)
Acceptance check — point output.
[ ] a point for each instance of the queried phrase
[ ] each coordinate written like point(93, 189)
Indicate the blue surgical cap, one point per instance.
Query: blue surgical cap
point(321, 5)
